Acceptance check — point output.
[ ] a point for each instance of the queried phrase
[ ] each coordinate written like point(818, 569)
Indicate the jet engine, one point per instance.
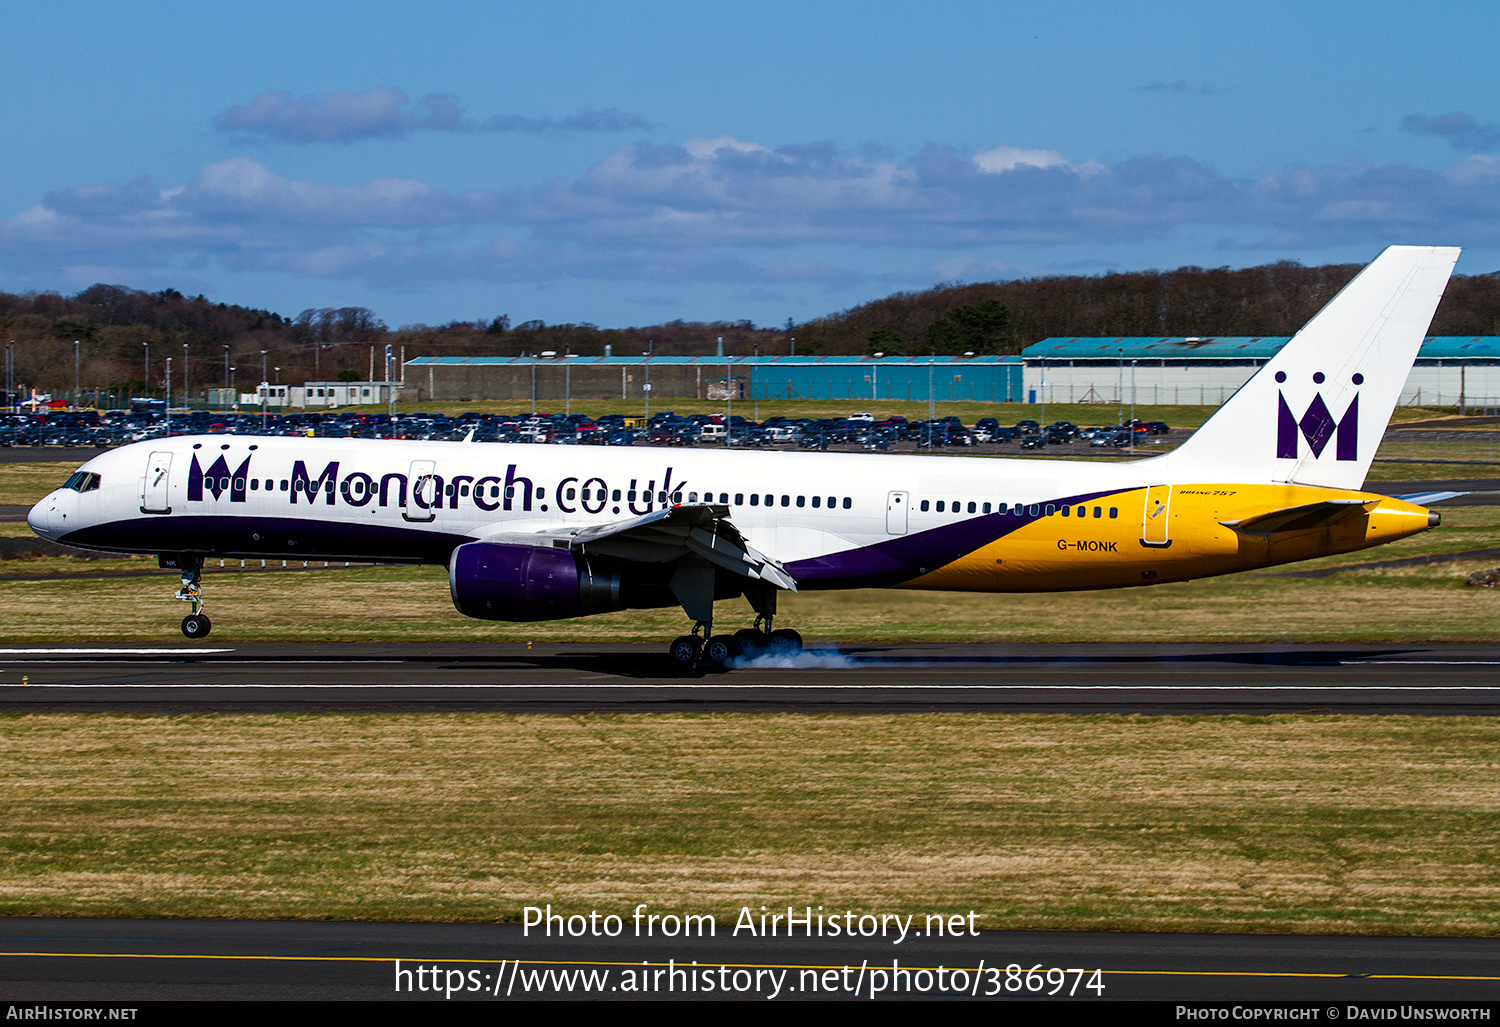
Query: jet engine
point(495, 581)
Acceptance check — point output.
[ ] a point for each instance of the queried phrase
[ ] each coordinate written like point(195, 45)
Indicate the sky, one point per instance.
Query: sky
point(633, 163)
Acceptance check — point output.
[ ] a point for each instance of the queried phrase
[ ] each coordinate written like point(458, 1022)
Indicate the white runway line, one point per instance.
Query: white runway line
point(108, 652)
point(1425, 690)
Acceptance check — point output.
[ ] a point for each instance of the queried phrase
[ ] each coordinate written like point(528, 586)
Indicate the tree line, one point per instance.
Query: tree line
point(114, 326)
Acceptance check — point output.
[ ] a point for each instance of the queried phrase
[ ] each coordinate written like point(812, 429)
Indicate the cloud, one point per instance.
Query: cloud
point(610, 120)
point(1180, 85)
point(340, 116)
point(727, 210)
point(1464, 131)
point(343, 117)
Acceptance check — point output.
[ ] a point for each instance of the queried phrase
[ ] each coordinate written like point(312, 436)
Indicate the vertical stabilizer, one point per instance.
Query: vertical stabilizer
point(1316, 412)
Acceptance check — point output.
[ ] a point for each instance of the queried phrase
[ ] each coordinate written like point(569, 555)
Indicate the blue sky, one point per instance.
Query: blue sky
point(629, 163)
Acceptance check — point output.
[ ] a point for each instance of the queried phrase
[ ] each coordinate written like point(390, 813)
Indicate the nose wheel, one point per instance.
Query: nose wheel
point(195, 625)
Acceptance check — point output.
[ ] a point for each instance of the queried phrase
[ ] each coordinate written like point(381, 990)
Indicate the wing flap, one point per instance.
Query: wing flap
point(669, 534)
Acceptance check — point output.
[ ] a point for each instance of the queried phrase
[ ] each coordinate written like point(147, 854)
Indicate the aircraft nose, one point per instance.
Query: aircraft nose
point(42, 518)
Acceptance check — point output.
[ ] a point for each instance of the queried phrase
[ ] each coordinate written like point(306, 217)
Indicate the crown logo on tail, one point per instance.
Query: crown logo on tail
point(1317, 425)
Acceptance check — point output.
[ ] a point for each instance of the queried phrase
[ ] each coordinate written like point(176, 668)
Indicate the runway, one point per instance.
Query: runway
point(1418, 678)
point(155, 960)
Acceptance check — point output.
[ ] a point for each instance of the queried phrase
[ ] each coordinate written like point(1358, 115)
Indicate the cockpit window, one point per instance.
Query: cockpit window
point(82, 481)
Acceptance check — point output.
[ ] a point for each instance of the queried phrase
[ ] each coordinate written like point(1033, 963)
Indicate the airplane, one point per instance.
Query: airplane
point(534, 533)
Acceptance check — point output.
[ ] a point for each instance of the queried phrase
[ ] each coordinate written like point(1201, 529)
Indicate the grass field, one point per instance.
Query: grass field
point(1286, 824)
point(1300, 824)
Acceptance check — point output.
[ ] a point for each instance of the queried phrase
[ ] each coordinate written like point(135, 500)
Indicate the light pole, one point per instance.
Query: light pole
point(75, 374)
point(186, 405)
point(265, 390)
point(234, 400)
point(168, 407)
point(1132, 408)
point(650, 347)
point(1120, 392)
point(147, 378)
point(931, 402)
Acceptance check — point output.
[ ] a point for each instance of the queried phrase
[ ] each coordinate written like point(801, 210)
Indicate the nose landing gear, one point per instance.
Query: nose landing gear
point(195, 625)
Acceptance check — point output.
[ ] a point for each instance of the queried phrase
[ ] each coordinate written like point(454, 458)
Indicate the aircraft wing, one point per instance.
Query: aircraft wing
point(702, 530)
point(1301, 518)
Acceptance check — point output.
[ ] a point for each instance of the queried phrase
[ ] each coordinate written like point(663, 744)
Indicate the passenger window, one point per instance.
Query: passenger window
point(677, 497)
point(1002, 508)
point(801, 500)
point(755, 499)
point(632, 495)
point(786, 500)
point(692, 497)
point(617, 495)
point(1083, 511)
point(724, 498)
point(972, 508)
point(847, 502)
point(510, 492)
point(817, 502)
point(541, 493)
point(739, 499)
point(283, 485)
point(833, 501)
point(661, 497)
point(494, 491)
point(571, 493)
point(1051, 509)
point(924, 506)
point(1098, 512)
point(986, 508)
point(1114, 512)
point(1035, 510)
point(770, 500)
point(1067, 511)
point(939, 506)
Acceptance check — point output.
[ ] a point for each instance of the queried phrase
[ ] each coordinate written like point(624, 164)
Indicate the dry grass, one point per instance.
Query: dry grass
point(1427, 603)
point(23, 484)
point(1372, 825)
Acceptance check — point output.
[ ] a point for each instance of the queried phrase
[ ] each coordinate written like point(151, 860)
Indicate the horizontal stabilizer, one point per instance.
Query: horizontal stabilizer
point(1310, 517)
point(1428, 498)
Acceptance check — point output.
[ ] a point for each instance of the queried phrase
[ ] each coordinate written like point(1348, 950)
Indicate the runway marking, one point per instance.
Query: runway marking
point(1421, 689)
point(1423, 663)
point(107, 652)
point(739, 966)
point(217, 663)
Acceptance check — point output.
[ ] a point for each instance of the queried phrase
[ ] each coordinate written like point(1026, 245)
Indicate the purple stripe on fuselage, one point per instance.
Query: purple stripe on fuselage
point(905, 557)
point(279, 537)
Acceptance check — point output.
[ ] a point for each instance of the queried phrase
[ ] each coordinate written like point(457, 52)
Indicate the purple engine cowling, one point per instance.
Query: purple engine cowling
point(494, 581)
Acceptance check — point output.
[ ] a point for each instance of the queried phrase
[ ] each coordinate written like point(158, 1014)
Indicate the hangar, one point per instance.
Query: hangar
point(1451, 370)
point(990, 379)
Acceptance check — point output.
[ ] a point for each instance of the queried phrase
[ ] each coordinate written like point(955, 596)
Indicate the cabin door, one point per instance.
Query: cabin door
point(1156, 517)
point(895, 513)
point(155, 497)
point(425, 494)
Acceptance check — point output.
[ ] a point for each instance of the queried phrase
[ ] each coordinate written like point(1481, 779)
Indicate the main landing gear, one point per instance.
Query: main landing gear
point(692, 652)
point(195, 625)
